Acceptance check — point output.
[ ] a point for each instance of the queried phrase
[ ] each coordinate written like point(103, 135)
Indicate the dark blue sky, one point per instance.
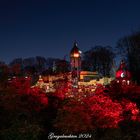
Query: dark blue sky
point(49, 27)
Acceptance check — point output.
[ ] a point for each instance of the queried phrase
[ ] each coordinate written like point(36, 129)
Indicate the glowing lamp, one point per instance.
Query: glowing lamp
point(123, 81)
point(122, 75)
point(76, 55)
point(118, 81)
point(128, 82)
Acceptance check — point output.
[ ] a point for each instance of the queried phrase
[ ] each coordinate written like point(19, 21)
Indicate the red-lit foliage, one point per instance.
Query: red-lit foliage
point(22, 86)
point(99, 89)
point(61, 89)
point(105, 113)
point(97, 111)
point(73, 117)
point(132, 110)
point(119, 91)
point(104, 108)
point(20, 114)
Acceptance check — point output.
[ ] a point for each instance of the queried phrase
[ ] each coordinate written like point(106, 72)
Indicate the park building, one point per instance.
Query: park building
point(80, 77)
point(76, 76)
point(123, 75)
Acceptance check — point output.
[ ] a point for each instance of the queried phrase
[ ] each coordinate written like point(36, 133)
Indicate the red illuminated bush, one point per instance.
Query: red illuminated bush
point(97, 111)
point(73, 117)
point(118, 91)
point(105, 113)
point(84, 112)
point(132, 108)
point(22, 86)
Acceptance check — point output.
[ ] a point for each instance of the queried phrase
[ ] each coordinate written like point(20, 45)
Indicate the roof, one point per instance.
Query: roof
point(75, 49)
point(89, 73)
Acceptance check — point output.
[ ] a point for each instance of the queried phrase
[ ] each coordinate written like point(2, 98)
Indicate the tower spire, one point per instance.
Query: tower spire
point(75, 43)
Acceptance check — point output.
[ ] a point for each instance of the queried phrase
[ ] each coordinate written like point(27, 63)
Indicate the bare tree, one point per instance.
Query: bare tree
point(129, 48)
point(99, 59)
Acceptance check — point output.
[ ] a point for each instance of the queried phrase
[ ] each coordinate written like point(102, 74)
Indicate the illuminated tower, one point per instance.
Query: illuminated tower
point(75, 61)
point(122, 74)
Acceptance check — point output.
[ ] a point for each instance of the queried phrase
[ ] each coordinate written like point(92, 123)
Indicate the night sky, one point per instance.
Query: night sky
point(48, 28)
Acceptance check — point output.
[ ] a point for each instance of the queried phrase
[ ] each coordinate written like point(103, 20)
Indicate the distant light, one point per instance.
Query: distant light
point(123, 81)
point(80, 51)
point(128, 82)
point(117, 81)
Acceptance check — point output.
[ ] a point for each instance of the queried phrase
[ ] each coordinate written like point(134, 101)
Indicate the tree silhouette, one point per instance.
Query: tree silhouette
point(99, 59)
point(129, 47)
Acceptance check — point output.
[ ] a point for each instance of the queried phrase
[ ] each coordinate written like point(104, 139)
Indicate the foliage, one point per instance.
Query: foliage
point(4, 72)
point(21, 131)
point(73, 117)
point(21, 108)
point(97, 111)
point(118, 91)
point(29, 113)
point(94, 62)
point(105, 113)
